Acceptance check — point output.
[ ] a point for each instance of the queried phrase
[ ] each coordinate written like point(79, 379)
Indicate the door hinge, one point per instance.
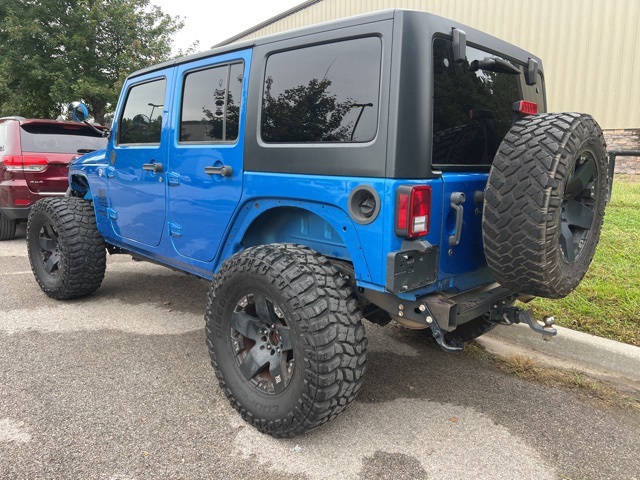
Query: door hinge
point(173, 179)
point(112, 214)
point(175, 230)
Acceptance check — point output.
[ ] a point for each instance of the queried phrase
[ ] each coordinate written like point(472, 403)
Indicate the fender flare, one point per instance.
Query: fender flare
point(339, 220)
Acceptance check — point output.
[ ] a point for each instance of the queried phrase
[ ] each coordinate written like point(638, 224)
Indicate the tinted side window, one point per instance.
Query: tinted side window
point(473, 107)
point(141, 120)
point(323, 93)
point(211, 104)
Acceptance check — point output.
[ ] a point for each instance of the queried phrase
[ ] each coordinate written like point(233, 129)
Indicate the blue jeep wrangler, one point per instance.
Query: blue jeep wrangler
point(396, 165)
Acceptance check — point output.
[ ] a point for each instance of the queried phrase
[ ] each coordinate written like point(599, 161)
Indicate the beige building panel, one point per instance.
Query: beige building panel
point(590, 48)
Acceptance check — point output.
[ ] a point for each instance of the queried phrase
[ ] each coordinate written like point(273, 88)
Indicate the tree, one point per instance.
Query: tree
point(54, 51)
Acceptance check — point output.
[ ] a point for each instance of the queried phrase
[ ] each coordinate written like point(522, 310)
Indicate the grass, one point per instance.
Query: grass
point(600, 393)
point(607, 302)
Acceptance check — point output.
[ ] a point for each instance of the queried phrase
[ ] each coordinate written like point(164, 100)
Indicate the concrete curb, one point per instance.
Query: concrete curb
point(569, 349)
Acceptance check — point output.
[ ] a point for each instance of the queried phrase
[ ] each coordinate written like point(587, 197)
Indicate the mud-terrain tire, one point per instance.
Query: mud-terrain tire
point(7, 228)
point(285, 337)
point(544, 203)
point(66, 251)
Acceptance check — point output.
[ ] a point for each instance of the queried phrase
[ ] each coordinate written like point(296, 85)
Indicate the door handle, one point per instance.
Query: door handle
point(457, 199)
point(225, 170)
point(152, 167)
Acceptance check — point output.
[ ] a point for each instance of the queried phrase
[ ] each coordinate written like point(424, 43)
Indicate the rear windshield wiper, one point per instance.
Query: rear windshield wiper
point(494, 64)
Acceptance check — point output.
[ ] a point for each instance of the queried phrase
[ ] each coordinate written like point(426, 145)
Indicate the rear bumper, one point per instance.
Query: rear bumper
point(15, 213)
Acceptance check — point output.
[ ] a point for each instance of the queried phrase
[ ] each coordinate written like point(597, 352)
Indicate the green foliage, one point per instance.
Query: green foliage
point(55, 51)
point(607, 302)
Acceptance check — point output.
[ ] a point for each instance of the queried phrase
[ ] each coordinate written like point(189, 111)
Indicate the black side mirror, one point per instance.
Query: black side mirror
point(79, 111)
point(459, 45)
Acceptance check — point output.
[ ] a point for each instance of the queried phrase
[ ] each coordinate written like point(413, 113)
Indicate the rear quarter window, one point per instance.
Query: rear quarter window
point(323, 93)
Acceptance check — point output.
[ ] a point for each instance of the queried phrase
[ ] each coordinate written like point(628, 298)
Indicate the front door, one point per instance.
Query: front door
point(205, 178)
point(136, 176)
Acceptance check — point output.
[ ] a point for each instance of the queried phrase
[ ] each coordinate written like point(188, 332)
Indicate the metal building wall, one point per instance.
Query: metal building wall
point(590, 48)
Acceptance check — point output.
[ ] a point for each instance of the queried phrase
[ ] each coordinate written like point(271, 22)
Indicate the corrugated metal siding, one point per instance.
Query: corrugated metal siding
point(590, 48)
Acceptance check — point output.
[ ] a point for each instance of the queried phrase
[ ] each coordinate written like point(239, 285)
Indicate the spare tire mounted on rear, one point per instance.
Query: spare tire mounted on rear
point(544, 203)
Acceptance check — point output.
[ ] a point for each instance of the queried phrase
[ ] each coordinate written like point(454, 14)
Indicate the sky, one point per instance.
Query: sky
point(213, 21)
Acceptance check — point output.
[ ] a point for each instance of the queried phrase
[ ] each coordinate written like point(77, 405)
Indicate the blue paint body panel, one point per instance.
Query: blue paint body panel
point(192, 220)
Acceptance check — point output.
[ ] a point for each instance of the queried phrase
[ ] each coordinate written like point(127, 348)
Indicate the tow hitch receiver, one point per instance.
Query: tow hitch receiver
point(511, 315)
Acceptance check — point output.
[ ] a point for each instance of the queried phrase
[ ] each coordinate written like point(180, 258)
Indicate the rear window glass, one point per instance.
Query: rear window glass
point(49, 138)
point(472, 107)
point(323, 93)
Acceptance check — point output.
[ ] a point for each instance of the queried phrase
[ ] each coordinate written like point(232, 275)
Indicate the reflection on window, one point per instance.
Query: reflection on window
point(473, 109)
point(323, 93)
point(3, 137)
point(211, 104)
point(141, 120)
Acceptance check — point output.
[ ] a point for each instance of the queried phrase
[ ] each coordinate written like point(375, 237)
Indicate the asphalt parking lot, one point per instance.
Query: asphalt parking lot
point(118, 386)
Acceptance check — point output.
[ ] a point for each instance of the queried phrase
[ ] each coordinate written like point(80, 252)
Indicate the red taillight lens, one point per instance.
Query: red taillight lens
point(12, 164)
point(525, 108)
point(34, 164)
point(420, 211)
point(413, 211)
point(402, 215)
point(27, 164)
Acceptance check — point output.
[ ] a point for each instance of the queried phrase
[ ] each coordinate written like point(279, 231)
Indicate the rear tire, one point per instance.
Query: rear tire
point(66, 252)
point(544, 204)
point(285, 338)
point(7, 228)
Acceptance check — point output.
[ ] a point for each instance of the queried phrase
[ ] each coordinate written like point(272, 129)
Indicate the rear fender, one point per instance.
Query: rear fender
point(321, 227)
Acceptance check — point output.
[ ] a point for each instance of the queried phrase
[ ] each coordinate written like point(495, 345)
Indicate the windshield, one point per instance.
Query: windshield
point(473, 103)
point(63, 138)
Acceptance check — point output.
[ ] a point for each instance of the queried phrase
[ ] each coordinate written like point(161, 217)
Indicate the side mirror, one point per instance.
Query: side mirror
point(459, 45)
point(79, 111)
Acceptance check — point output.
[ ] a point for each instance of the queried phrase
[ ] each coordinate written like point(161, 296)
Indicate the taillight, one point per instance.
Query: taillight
point(525, 108)
point(27, 164)
point(413, 210)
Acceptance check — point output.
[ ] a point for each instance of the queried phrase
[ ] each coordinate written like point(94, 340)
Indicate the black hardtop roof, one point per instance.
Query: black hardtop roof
point(446, 23)
point(298, 32)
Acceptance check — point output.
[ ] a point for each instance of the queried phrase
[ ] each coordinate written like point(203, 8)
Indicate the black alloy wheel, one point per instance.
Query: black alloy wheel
point(49, 246)
point(576, 219)
point(262, 343)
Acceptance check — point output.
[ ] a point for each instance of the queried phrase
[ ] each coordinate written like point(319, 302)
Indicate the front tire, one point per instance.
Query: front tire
point(66, 252)
point(285, 338)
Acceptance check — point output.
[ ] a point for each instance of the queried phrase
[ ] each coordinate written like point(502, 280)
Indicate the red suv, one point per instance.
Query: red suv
point(34, 158)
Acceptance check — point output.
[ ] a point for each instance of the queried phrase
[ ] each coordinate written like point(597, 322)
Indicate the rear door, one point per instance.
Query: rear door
point(473, 111)
point(206, 152)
